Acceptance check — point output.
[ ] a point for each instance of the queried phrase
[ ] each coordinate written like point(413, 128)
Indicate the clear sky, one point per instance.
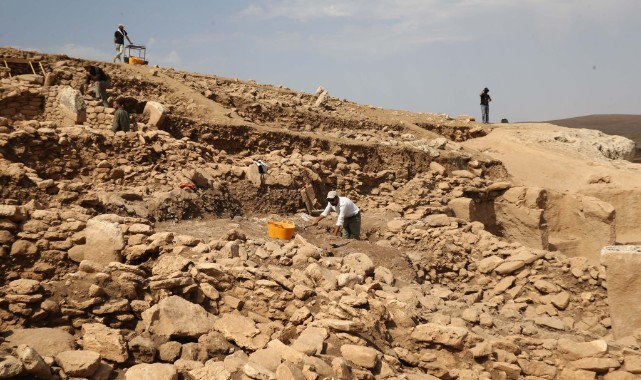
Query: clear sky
point(541, 59)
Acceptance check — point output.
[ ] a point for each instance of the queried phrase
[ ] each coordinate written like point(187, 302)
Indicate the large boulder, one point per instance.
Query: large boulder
point(72, 105)
point(519, 215)
point(580, 225)
point(104, 242)
point(177, 317)
point(46, 341)
point(156, 113)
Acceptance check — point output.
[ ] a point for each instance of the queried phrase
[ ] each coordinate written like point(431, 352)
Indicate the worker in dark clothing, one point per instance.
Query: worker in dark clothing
point(119, 40)
point(96, 74)
point(121, 117)
point(485, 105)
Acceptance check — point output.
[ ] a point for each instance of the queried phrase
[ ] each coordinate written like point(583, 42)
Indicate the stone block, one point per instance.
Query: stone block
point(156, 113)
point(73, 106)
point(623, 264)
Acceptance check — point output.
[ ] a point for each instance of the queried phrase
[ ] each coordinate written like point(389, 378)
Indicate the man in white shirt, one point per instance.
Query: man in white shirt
point(349, 216)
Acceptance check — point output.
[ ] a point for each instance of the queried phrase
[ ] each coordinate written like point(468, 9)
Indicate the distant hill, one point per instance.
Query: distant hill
point(623, 125)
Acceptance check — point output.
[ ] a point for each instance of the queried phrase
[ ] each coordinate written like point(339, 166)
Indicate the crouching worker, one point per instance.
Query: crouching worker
point(349, 216)
point(121, 117)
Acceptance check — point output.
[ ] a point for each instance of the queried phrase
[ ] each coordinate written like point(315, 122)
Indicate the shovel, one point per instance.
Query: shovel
point(338, 245)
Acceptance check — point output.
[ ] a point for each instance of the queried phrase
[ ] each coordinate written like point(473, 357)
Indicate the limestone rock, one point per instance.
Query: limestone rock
point(170, 351)
point(73, 106)
point(156, 371)
point(269, 358)
point(109, 343)
point(78, 363)
point(10, 367)
point(595, 364)
point(13, 213)
point(156, 113)
point(24, 286)
point(213, 370)
point(572, 350)
point(288, 353)
point(446, 335)
point(365, 357)
point(237, 328)
point(46, 341)
point(33, 363)
point(104, 243)
point(622, 263)
point(23, 248)
point(359, 263)
point(258, 372)
point(288, 371)
point(176, 317)
point(311, 340)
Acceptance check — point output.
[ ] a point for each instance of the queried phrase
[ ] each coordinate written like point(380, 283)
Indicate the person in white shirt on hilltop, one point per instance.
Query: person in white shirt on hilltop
point(349, 216)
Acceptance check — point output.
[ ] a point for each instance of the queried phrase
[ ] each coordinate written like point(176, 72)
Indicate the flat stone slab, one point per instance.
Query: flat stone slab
point(623, 265)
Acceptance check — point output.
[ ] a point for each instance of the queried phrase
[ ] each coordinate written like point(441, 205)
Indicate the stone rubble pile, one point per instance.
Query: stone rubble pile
point(237, 305)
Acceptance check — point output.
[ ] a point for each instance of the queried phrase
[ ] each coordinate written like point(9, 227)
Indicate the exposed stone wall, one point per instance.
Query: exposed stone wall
point(20, 101)
point(98, 116)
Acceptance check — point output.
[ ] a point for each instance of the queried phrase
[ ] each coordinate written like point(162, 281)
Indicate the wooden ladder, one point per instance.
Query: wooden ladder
point(6, 62)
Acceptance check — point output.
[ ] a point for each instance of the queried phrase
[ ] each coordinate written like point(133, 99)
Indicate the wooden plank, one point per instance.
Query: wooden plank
point(7, 66)
point(44, 73)
point(32, 69)
point(16, 60)
point(308, 203)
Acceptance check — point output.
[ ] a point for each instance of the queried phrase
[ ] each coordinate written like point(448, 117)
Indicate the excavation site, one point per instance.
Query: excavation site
point(190, 246)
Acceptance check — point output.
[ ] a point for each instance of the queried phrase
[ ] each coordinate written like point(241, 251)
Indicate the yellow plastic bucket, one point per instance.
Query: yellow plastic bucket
point(135, 61)
point(281, 230)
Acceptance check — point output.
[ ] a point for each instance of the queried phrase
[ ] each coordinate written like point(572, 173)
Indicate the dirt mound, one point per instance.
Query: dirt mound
point(147, 252)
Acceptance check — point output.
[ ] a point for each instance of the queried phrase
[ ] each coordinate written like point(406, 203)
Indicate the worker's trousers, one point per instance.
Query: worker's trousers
point(101, 91)
point(120, 50)
point(352, 227)
point(485, 113)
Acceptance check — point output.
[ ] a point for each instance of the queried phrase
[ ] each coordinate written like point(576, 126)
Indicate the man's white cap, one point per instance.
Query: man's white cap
point(332, 194)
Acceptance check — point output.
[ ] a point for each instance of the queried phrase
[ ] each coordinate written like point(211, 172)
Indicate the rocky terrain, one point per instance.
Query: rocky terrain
point(145, 255)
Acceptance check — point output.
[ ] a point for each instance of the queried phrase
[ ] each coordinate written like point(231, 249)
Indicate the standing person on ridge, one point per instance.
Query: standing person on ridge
point(349, 216)
point(485, 105)
point(119, 40)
